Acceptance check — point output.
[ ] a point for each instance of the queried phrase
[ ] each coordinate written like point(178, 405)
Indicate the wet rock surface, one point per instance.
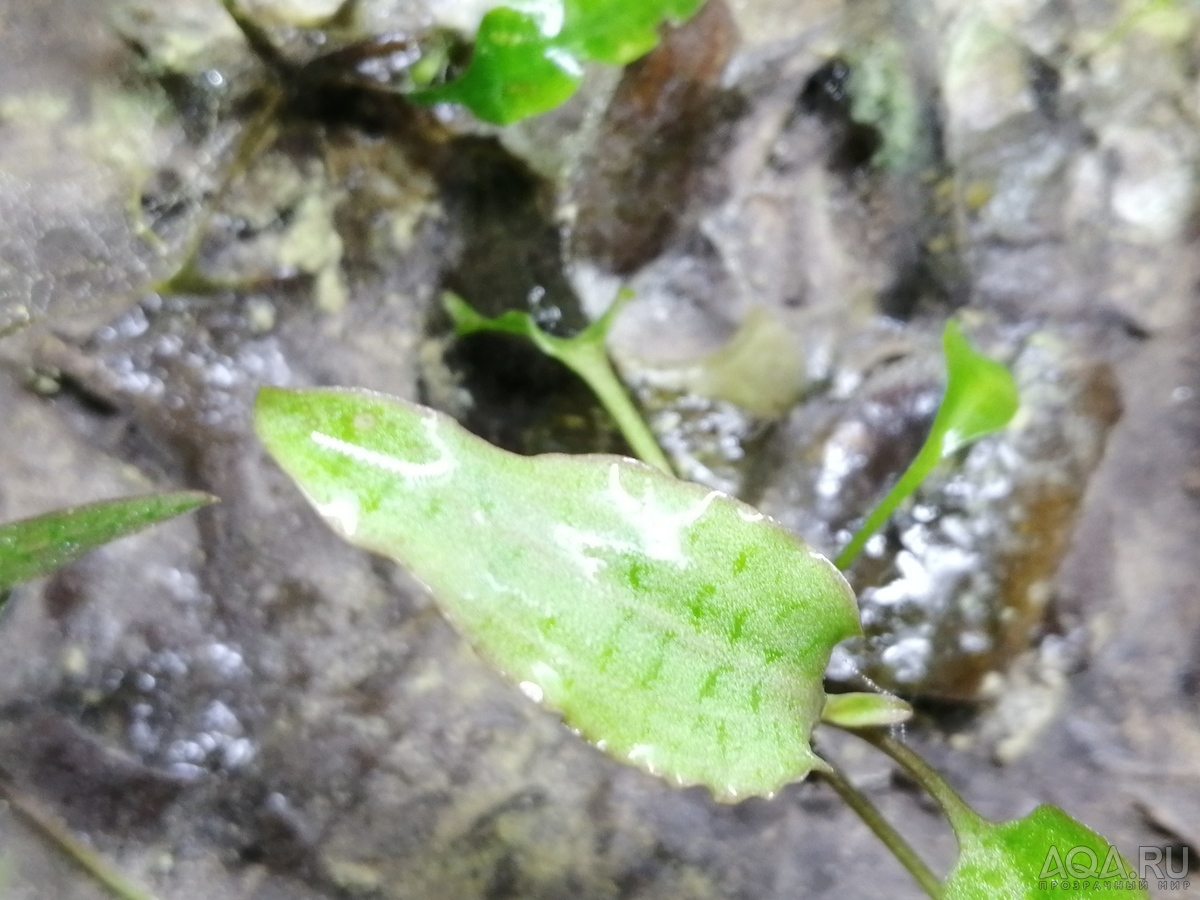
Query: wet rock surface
point(236, 704)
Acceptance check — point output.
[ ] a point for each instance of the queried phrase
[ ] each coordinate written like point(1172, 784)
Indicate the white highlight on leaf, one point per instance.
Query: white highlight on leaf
point(647, 529)
point(341, 512)
point(549, 15)
point(444, 464)
point(532, 690)
point(643, 755)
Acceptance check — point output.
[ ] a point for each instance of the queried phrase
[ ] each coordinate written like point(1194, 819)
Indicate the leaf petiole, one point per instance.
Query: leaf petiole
point(981, 397)
point(584, 354)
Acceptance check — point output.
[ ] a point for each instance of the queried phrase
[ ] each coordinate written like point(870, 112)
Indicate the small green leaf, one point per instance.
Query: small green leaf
point(34, 547)
point(674, 626)
point(981, 397)
point(516, 71)
point(584, 354)
point(529, 56)
point(1045, 854)
point(862, 710)
point(619, 31)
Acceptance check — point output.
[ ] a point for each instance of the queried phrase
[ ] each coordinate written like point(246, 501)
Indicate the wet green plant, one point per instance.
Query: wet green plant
point(529, 55)
point(677, 628)
point(526, 58)
point(585, 354)
point(37, 546)
point(980, 398)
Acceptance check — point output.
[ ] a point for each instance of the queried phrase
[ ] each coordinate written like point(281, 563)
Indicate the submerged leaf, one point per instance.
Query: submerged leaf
point(981, 397)
point(674, 626)
point(1045, 854)
point(34, 547)
point(529, 55)
point(585, 354)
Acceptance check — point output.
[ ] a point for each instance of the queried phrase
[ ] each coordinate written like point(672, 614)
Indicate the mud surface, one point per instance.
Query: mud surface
point(236, 704)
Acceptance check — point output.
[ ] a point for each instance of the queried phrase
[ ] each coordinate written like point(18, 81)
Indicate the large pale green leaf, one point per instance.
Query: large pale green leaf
point(1045, 854)
point(34, 547)
point(981, 397)
point(529, 54)
point(674, 626)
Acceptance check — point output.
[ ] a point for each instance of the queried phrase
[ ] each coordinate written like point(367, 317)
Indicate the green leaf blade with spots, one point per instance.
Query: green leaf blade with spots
point(1045, 854)
point(33, 547)
point(672, 625)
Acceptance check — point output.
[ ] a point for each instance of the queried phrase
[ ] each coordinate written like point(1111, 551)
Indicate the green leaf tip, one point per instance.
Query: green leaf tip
point(864, 710)
point(33, 547)
point(980, 398)
point(676, 627)
point(1045, 854)
point(530, 55)
point(981, 395)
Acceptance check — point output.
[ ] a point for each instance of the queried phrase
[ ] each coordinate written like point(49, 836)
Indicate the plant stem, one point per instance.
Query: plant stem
point(591, 363)
point(883, 830)
point(917, 472)
point(91, 862)
point(962, 818)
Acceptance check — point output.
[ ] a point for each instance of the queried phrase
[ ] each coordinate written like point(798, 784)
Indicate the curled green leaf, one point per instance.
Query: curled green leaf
point(864, 710)
point(529, 55)
point(33, 547)
point(674, 626)
point(584, 354)
point(981, 398)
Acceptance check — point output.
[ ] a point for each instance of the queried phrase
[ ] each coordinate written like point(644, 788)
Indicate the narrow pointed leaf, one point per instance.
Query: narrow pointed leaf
point(981, 398)
point(863, 710)
point(674, 626)
point(33, 547)
point(529, 56)
point(1045, 854)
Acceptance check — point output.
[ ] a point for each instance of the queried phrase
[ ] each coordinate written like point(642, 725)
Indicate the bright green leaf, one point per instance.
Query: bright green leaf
point(674, 626)
point(584, 354)
point(1045, 854)
point(516, 71)
point(619, 31)
point(1024, 859)
point(529, 55)
point(981, 397)
point(862, 710)
point(34, 547)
